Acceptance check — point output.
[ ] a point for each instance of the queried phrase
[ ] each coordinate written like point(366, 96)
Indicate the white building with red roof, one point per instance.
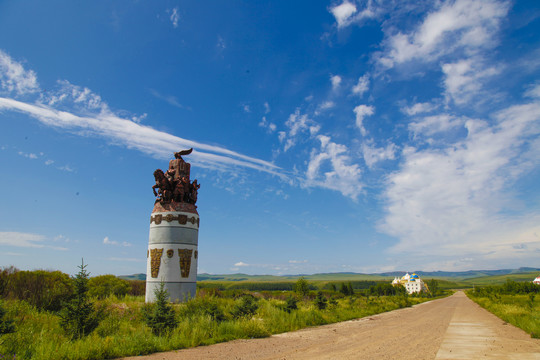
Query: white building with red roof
point(537, 281)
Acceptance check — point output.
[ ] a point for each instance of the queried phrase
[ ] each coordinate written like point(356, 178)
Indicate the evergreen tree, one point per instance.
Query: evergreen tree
point(320, 301)
point(79, 317)
point(291, 304)
point(161, 317)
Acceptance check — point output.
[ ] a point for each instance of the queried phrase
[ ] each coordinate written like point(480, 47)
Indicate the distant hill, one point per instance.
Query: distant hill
point(482, 275)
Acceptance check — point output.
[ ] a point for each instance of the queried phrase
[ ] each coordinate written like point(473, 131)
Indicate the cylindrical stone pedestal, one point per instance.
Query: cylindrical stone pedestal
point(172, 251)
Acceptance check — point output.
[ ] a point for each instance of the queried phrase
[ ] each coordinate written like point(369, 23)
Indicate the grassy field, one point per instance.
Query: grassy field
point(520, 310)
point(204, 320)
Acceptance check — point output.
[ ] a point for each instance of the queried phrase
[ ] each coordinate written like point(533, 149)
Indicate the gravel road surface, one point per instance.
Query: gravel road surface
point(450, 328)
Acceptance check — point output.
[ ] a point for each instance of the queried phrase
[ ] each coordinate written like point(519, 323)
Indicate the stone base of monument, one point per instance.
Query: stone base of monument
point(172, 251)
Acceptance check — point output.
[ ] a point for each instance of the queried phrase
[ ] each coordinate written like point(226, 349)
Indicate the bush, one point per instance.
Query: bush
point(245, 307)
point(79, 317)
point(46, 290)
point(207, 305)
point(6, 325)
point(160, 317)
point(137, 287)
point(106, 285)
point(320, 301)
point(291, 304)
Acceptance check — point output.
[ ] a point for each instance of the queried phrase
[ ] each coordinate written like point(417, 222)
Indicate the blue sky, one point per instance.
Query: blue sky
point(361, 136)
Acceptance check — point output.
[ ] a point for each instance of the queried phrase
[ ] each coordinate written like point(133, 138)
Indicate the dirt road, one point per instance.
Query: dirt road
point(450, 328)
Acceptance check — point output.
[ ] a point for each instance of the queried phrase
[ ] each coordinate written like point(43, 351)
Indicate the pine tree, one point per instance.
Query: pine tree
point(320, 301)
point(161, 317)
point(291, 304)
point(79, 317)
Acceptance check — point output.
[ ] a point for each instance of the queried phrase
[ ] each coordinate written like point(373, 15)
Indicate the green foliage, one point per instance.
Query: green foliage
point(346, 289)
point(46, 290)
point(78, 316)
point(386, 289)
point(433, 286)
point(106, 285)
point(291, 304)
point(6, 325)
point(320, 301)
point(137, 287)
point(203, 306)
point(160, 317)
point(245, 307)
point(301, 287)
point(123, 331)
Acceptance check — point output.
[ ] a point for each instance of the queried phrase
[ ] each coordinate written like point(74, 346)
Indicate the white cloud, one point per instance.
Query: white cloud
point(373, 154)
point(450, 201)
point(246, 108)
point(266, 108)
point(29, 155)
point(269, 126)
point(343, 13)
point(533, 91)
point(463, 79)
point(171, 100)
point(143, 138)
point(107, 241)
point(324, 106)
point(175, 17)
point(336, 81)
point(298, 261)
point(361, 112)
point(431, 125)
point(297, 124)
point(331, 167)
point(26, 240)
point(466, 25)
point(361, 86)
point(240, 263)
point(14, 78)
point(419, 108)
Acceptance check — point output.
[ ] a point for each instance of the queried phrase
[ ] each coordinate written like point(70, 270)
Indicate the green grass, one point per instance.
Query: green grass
point(515, 309)
point(500, 279)
point(123, 333)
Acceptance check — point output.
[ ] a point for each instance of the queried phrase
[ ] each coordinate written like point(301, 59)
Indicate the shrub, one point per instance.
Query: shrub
point(291, 304)
point(207, 305)
point(79, 317)
point(160, 317)
point(6, 325)
point(320, 301)
point(106, 285)
point(46, 290)
point(137, 287)
point(245, 307)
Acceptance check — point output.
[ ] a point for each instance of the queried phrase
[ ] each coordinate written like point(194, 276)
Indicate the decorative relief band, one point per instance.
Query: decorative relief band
point(185, 261)
point(182, 219)
point(155, 261)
